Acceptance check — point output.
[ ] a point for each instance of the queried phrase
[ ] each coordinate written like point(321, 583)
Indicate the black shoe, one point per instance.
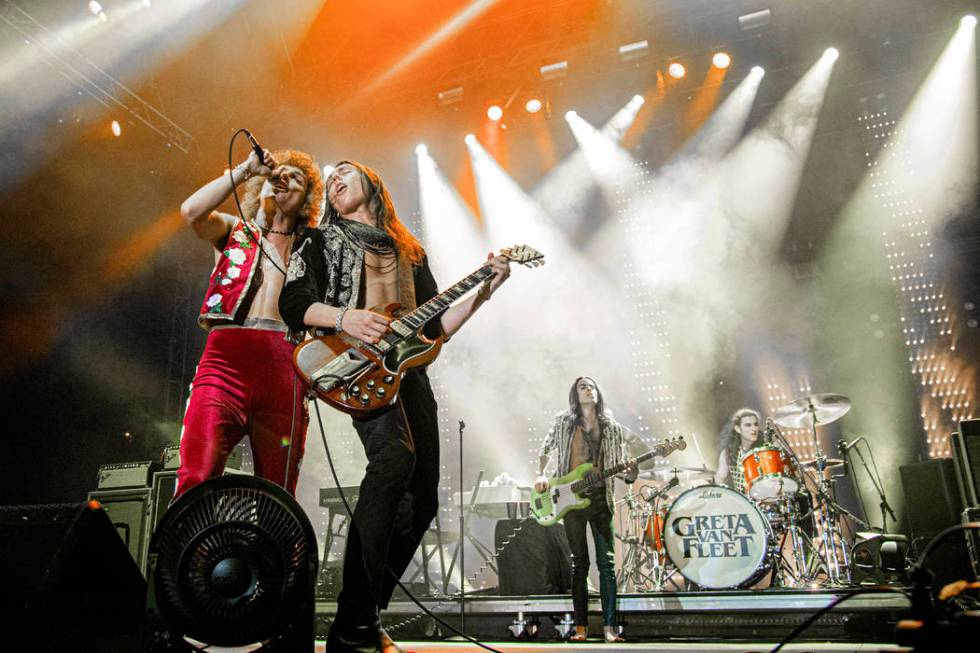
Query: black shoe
point(356, 639)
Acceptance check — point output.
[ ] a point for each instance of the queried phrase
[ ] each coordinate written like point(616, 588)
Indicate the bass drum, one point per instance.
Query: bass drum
point(717, 538)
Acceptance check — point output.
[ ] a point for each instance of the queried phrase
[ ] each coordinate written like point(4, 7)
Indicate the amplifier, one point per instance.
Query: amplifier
point(138, 474)
point(171, 457)
point(129, 512)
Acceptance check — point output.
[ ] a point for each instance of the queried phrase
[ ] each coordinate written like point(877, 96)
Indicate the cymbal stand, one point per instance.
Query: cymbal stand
point(634, 556)
point(796, 568)
point(826, 516)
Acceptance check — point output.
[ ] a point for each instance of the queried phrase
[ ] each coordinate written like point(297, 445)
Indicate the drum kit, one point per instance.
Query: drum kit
point(785, 531)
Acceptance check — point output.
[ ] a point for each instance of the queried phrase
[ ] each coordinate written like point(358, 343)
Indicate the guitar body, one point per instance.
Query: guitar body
point(357, 378)
point(562, 495)
point(550, 507)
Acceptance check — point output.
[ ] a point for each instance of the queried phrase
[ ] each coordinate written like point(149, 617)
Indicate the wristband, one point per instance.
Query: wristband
point(339, 320)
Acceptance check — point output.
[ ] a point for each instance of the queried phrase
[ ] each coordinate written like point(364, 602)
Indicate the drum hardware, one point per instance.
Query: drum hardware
point(643, 568)
point(827, 463)
point(683, 474)
point(806, 412)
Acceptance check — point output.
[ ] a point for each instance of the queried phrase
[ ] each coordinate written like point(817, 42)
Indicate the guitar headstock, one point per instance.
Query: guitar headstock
point(670, 445)
point(524, 255)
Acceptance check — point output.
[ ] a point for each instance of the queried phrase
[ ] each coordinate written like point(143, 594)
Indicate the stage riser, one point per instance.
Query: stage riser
point(705, 616)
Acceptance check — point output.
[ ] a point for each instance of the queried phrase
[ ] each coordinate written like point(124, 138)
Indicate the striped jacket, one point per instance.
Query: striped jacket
point(617, 442)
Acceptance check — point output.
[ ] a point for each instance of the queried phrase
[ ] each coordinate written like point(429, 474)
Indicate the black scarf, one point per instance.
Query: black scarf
point(369, 237)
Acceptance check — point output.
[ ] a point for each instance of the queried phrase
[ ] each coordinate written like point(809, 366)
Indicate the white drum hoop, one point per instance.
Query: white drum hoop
point(717, 538)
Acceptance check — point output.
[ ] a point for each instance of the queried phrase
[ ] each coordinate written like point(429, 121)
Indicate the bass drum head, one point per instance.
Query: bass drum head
point(716, 537)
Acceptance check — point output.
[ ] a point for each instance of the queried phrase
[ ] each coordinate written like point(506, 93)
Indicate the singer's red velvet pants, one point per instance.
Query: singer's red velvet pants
point(245, 385)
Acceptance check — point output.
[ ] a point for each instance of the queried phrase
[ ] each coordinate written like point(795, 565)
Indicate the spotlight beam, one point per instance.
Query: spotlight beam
point(454, 25)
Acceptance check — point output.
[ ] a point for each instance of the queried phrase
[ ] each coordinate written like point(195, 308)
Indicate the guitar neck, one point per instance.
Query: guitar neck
point(443, 300)
point(621, 467)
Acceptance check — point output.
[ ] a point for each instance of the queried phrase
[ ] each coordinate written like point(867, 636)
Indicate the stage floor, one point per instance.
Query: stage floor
point(601, 647)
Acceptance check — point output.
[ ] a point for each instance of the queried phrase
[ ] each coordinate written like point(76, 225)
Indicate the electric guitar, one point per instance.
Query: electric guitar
point(358, 378)
point(564, 494)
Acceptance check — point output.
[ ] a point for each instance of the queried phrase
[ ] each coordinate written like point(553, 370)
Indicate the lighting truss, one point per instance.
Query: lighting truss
point(80, 70)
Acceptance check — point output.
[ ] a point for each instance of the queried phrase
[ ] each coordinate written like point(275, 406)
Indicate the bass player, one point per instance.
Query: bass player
point(587, 433)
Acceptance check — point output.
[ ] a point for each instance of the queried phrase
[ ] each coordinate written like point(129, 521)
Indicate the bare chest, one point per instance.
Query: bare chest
point(380, 280)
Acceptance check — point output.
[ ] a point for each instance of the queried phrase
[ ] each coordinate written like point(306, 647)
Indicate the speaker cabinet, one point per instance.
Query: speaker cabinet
point(535, 560)
point(129, 512)
point(932, 503)
point(69, 582)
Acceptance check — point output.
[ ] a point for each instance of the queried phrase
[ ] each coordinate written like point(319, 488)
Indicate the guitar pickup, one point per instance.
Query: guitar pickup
point(340, 371)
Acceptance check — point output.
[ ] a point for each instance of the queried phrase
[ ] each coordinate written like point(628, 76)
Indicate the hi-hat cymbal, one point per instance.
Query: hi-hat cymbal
point(684, 474)
point(800, 414)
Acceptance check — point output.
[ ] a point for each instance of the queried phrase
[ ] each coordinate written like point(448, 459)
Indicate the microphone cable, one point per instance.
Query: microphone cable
point(350, 513)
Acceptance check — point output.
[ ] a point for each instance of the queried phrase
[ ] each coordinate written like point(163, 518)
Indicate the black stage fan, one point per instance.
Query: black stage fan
point(233, 562)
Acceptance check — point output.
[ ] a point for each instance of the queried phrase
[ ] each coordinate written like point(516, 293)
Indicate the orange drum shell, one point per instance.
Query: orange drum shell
point(653, 532)
point(763, 462)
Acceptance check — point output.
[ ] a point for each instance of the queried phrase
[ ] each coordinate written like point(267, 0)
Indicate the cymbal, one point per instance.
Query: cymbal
point(799, 414)
point(828, 462)
point(684, 474)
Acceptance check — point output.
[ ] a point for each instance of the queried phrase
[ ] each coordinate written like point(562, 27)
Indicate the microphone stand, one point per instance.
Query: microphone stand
point(462, 544)
point(886, 510)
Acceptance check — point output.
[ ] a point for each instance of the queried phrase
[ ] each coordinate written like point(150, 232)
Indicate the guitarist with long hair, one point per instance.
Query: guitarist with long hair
point(363, 256)
point(587, 433)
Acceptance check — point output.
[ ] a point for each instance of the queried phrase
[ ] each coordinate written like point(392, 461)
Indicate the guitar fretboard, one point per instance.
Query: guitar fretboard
point(443, 300)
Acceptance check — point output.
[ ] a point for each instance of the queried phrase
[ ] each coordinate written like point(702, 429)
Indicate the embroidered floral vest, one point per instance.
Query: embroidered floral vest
point(231, 277)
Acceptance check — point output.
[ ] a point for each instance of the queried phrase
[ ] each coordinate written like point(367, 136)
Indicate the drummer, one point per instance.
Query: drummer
point(741, 434)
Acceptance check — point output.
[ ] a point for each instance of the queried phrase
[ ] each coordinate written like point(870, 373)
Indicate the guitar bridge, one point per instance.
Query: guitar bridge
point(340, 371)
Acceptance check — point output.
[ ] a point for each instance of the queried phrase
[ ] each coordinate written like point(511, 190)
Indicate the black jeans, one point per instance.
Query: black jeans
point(598, 516)
point(396, 503)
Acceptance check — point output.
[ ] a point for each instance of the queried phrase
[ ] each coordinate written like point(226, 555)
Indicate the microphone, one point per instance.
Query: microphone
point(843, 445)
point(462, 425)
point(255, 146)
point(770, 430)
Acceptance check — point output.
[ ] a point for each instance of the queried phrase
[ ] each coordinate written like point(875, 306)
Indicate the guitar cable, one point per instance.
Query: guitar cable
point(350, 513)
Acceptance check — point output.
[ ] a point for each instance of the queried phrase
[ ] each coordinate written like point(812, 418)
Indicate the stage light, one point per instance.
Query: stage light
point(676, 70)
point(638, 99)
point(116, 128)
point(554, 70)
point(470, 139)
point(969, 21)
point(533, 105)
point(721, 60)
point(495, 113)
point(758, 70)
point(635, 50)
point(421, 149)
point(147, 3)
point(754, 20)
point(95, 7)
point(570, 114)
point(450, 95)
point(831, 53)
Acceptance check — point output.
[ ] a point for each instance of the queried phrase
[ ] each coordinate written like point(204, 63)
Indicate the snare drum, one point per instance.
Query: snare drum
point(717, 538)
point(769, 473)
